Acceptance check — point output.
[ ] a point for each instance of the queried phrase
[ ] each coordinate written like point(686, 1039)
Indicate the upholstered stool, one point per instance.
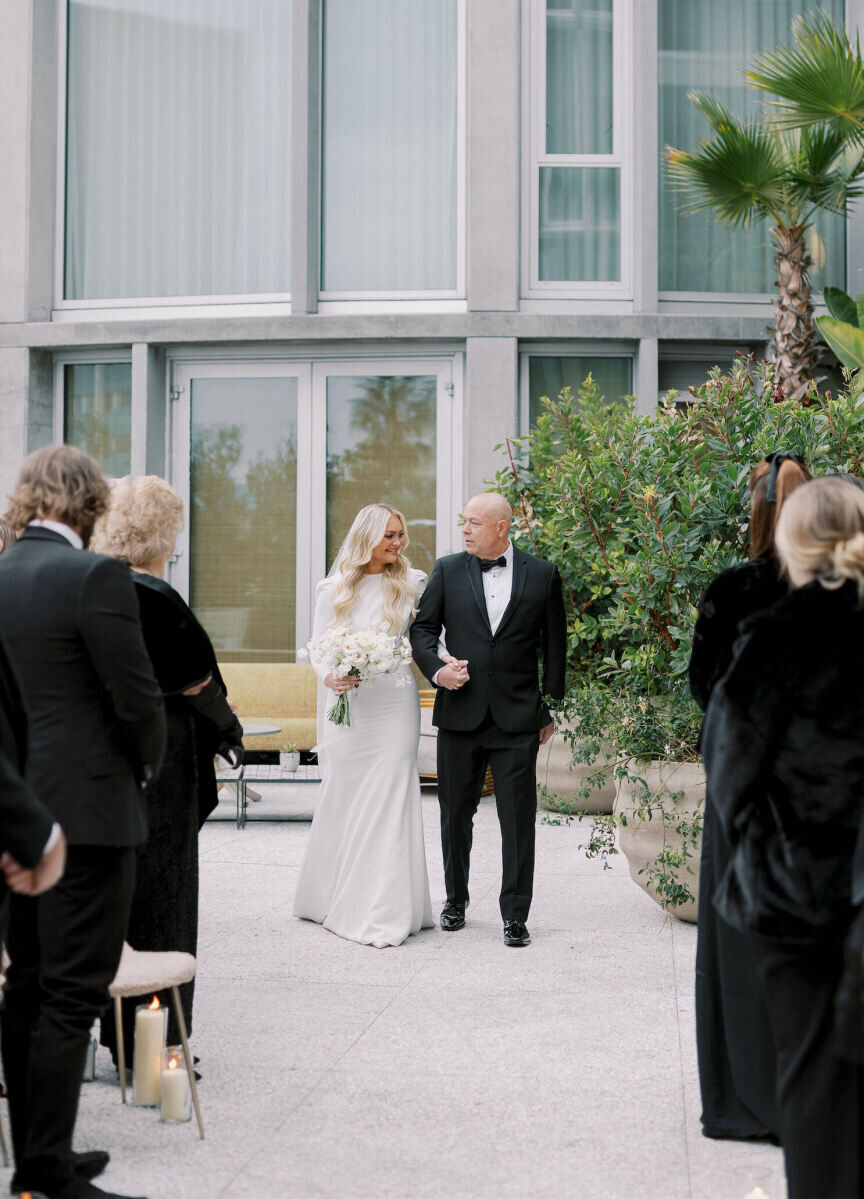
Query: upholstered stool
point(141, 973)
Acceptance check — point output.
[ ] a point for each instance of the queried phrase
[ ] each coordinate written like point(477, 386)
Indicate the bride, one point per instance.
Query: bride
point(364, 874)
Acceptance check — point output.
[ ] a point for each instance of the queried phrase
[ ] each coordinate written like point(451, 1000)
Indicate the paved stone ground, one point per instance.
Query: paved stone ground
point(451, 1066)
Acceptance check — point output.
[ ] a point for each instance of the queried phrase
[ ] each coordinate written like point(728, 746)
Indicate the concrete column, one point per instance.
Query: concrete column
point(493, 154)
point(646, 155)
point(26, 409)
point(28, 151)
point(647, 375)
point(491, 406)
point(305, 154)
point(148, 410)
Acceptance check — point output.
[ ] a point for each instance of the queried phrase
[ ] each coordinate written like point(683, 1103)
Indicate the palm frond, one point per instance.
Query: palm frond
point(825, 171)
point(819, 78)
point(737, 175)
point(719, 117)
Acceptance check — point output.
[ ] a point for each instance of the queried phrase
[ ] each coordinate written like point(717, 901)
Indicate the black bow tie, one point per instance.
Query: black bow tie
point(488, 563)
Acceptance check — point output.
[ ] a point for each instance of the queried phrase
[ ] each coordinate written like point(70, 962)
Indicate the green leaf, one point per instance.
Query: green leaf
point(841, 306)
point(859, 308)
point(847, 341)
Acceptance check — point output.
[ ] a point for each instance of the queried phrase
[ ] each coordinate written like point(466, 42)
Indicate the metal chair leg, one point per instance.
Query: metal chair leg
point(190, 1069)
point(121, 1049)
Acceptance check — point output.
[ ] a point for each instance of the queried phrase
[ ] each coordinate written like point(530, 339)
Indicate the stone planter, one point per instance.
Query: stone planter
point(289, 762)
point(642, 840)
point(563, 779)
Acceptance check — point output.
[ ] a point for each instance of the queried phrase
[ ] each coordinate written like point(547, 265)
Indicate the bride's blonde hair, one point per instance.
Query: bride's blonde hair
point(821, 532)
point(400, 588)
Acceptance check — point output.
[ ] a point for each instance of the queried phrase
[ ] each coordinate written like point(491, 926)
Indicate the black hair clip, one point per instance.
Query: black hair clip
point(777, 459)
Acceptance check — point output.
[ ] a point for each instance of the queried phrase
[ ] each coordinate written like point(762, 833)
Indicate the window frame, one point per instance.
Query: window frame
point(113, 357)
point(572, 349)
point(533, 141)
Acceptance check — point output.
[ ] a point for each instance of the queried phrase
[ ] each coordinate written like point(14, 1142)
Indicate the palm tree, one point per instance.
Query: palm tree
point(768, 169)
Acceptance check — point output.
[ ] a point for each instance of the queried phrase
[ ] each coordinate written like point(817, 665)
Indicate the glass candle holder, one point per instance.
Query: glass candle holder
point(176, 1101)
point(151, 1030)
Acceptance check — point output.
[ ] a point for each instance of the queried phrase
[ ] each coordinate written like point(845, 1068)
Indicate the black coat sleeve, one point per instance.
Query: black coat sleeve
point(426, 630)
point(555, 640)
point(25, 823)
point(713, 637)
point(111, 629)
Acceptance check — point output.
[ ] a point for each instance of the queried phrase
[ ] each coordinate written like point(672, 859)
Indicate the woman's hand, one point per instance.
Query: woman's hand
point(341, 685)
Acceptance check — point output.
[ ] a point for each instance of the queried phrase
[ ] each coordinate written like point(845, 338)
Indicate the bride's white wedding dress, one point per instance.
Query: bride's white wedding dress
point(364, 874)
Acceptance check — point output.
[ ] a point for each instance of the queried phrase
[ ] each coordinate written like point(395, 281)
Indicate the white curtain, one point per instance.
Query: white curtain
point(178, 148)
point(580, 206)
point(707, 45)
point(389, 145)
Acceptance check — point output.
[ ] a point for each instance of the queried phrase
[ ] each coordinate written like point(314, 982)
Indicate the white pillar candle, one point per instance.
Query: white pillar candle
point(175, 1092)
point(150, 1029)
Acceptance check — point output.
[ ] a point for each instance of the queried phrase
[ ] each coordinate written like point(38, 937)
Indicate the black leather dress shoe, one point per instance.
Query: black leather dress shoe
point(86, 1165)
point(515, 933)
point(452, 916)
point(76, 1188)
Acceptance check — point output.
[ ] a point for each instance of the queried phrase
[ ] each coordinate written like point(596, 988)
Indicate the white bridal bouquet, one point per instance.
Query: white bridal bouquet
point(364, 653)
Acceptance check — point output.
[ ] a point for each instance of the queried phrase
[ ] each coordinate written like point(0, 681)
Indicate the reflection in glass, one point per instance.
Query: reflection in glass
point(97, 413)
point(242, 519)
point(579, 74)
point(381, 447)
point(580, 224)
point(547, 376)
point(708, 46)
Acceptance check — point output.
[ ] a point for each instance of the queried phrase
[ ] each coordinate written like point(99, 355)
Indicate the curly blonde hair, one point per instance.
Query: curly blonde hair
point(62, 483)
point(7, 535)
point(142, 523)
point(820, 532)
point(400, 588)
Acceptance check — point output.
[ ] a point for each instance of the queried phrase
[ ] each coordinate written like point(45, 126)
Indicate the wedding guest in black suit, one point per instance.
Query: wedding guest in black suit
point(501, 609)
point(140, 528)
point(784, 757)
point(96, 733)
point(733, 1042)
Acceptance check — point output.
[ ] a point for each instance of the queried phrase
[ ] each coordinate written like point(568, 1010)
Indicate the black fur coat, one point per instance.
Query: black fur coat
point(783, 745)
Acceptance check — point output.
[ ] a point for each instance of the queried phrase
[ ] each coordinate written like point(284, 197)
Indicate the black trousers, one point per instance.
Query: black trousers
point(64, 947)
point(820, 1096)
point(462, 762)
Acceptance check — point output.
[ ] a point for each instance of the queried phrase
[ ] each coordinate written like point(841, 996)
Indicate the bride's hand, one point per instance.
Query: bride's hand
point(339, 685)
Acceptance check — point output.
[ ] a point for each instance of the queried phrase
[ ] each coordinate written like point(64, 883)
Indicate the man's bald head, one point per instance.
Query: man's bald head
point(487, 518)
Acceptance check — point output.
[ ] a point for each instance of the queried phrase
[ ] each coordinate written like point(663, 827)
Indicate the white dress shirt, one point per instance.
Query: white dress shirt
point(57, 526)
point(498, 586)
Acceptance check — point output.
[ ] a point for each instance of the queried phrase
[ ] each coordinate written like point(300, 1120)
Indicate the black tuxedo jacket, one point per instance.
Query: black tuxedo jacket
point(503, 667)
point(25, 823)
point(96, 724)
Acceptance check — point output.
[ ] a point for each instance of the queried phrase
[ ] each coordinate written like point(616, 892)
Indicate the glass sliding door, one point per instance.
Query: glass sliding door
point(381, 445)
point(236, 451)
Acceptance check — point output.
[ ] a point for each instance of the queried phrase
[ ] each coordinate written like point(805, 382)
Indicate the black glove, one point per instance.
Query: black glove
point(231, 748)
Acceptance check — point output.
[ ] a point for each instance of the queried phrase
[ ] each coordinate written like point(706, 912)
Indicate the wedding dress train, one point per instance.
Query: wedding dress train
point(364, 874)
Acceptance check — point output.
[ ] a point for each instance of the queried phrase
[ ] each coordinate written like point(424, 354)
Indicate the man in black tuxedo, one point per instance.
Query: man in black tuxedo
point(497, 607)
point(96, 734)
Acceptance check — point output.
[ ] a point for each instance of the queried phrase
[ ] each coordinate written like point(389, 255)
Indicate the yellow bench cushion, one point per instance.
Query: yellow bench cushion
point(280, 693)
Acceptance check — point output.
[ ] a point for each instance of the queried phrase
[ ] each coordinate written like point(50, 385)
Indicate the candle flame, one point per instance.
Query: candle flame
point(172, 1065)
point(151, 1007)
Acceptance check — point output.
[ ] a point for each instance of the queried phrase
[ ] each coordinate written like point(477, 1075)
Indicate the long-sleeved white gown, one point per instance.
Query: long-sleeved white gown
point(364, 874)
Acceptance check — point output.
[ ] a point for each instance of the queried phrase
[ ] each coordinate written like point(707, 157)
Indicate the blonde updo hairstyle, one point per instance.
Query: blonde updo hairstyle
point(821, 532)
point(400, 588)
point(142, 523)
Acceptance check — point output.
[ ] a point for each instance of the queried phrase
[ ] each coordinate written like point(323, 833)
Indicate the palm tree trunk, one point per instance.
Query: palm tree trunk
point(794, 334)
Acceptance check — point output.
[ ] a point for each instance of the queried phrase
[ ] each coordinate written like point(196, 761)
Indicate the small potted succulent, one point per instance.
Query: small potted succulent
point(289, 757)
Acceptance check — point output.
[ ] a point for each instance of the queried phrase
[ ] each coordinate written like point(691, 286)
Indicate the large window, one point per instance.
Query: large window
point(97, 412)
point(707, 46)
point(390, 146)
point(549, 374)
point(178, 148)
point(578, 135)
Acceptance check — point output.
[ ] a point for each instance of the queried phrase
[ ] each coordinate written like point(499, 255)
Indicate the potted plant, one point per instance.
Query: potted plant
point(639, 512)
point(289, 757)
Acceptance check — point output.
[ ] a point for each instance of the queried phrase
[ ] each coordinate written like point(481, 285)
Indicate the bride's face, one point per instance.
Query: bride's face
point(389, 547)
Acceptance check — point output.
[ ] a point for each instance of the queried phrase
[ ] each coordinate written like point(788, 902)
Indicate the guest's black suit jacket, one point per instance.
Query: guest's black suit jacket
point(96, 725)
point(25, 823)
point(503, 666)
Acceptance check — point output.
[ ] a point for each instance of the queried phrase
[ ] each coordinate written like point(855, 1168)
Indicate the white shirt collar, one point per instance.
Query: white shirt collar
point(57, 526)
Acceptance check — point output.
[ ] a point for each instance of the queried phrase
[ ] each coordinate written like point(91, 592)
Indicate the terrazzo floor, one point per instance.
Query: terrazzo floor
point(451, 1066)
